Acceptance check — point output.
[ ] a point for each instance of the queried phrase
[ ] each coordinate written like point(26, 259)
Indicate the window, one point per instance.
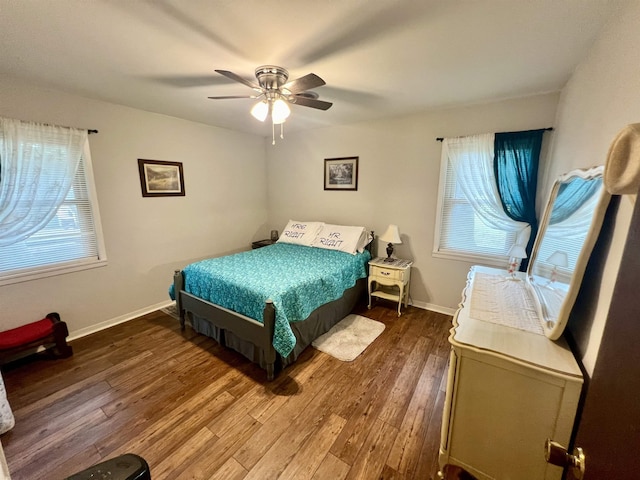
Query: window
point(71, 241)
point(486, 201)
point(460, 232)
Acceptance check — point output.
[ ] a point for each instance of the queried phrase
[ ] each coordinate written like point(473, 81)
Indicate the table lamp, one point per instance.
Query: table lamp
point(557, 259)
point(516, 253)
point(391, 236)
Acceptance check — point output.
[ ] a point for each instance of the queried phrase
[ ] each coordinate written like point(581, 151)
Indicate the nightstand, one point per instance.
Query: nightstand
point(262, 243)
point(390, 280)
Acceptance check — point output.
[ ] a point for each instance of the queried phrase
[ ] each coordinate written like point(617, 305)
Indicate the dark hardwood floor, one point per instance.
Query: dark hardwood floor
point(193, 409)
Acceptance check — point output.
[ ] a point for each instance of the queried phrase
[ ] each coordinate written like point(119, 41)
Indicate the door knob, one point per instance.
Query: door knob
point(556, 454)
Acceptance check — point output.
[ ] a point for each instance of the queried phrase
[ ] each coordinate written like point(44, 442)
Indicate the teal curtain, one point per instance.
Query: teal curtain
point(516, 160)
point(571, 196)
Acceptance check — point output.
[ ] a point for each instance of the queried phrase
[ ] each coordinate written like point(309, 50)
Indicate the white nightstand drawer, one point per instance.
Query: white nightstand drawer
point(388, 273)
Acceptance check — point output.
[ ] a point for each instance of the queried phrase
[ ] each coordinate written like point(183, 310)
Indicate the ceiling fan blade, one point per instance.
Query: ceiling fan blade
point(303, 84)
point(238, 78)
point(234, 96)
point(310, 102)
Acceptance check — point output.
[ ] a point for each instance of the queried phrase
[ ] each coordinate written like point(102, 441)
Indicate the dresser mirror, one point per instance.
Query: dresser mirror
point(566, 236)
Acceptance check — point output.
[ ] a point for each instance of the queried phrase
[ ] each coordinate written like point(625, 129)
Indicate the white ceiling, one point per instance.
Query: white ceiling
point(379, 58)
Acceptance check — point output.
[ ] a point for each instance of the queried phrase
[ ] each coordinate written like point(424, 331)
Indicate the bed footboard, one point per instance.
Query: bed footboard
point(259, 334)
point(178, 285)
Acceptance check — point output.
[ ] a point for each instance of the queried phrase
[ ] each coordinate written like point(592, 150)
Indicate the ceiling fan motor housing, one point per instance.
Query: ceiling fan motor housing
point(271, 77)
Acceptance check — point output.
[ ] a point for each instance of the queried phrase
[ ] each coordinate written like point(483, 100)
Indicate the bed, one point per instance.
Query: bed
point(270, 303)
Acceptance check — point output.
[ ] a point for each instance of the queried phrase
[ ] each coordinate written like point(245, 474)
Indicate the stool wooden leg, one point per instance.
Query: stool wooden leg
point(60, 334)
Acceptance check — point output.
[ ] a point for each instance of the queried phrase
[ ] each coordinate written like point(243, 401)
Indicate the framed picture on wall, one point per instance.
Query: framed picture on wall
point(341, 173)
point(161, 179)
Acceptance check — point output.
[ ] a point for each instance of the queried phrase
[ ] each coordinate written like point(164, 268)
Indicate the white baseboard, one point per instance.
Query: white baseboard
point(83, 332)
point(434, 308)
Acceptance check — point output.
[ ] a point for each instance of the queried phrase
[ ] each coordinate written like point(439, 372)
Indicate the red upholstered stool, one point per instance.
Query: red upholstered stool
point(50, 333)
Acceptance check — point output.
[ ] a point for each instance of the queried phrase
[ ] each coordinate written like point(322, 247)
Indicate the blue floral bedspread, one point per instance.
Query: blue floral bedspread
point(298, 279)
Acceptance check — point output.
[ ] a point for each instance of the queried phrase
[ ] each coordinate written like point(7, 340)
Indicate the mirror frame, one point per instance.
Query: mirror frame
point(551, 330)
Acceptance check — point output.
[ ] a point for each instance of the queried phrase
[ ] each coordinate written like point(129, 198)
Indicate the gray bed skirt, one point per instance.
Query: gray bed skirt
point(306, 331)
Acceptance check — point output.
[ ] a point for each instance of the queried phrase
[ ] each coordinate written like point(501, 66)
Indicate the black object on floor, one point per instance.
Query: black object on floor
point(125, 467)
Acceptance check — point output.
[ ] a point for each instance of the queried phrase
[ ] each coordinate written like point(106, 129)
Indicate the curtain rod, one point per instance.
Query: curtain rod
point(548, 129)
point(89, 131)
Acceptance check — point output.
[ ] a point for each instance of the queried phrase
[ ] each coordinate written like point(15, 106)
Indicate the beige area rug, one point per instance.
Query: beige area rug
point(349, 337)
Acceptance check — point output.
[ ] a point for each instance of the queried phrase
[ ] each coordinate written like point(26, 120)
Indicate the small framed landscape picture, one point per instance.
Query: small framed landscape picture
point(161, 179)
point(341, 173)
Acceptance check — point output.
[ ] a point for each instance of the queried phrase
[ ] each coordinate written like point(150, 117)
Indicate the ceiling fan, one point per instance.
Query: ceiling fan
point(275, 93)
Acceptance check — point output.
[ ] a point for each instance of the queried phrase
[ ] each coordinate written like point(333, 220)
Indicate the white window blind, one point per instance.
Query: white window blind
point(72, 240)
point(461, 231)
point(569, 245)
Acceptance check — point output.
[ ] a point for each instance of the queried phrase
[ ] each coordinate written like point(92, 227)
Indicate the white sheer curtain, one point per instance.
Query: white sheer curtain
point(37, 166)
point(567, 236)
point(472, 161)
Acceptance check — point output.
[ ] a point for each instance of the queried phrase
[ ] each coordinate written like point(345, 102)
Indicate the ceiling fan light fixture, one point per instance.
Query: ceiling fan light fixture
point(260, 111)
point(280, 111)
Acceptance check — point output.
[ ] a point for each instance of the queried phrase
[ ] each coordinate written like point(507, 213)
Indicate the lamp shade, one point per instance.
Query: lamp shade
point(558, 258)
point(391, 235)
point(517, 251)
point(280, 111)
point(260, 111)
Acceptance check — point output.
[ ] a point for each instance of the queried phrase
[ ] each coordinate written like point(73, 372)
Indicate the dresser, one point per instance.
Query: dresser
point(509, 387)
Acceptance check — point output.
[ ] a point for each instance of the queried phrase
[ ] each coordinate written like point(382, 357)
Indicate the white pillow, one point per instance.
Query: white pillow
point(339, 237)
point(300, 233)
point(365, 239)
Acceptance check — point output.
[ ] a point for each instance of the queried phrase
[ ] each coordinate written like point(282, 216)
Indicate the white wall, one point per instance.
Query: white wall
point(146, 238)
point(601, 98)
point(399, 165)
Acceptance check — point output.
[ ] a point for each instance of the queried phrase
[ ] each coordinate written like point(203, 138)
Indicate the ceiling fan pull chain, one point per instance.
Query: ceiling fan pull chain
point(273, 133)
point(282, 130)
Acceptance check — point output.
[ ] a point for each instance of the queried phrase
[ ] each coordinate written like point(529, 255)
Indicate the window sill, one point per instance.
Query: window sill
point(476, 259)
point(51, 271)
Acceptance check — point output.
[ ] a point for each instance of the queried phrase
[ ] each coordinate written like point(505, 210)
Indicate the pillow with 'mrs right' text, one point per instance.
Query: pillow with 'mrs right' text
point(300, 233)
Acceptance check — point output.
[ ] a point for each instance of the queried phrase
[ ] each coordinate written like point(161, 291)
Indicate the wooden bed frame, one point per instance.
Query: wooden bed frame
point(259, 334)
point(248, 329)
